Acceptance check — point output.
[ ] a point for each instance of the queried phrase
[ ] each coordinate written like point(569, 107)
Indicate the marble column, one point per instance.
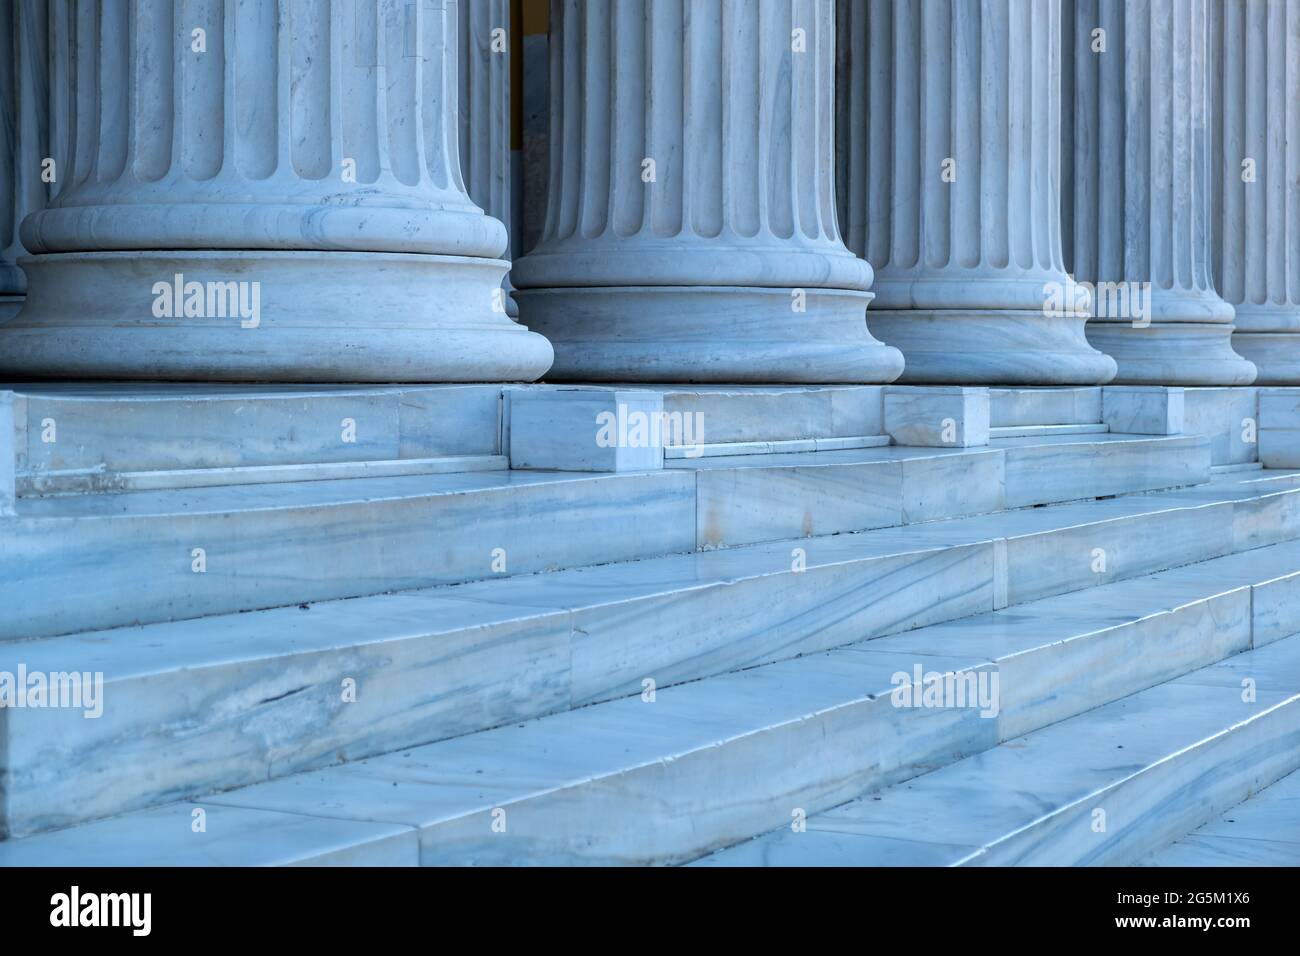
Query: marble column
point(24, 136)
point(949, 172)
point(1256, 174)
point(691, 231)
point(485, 110)
point(266, 190)
point(1138, 203)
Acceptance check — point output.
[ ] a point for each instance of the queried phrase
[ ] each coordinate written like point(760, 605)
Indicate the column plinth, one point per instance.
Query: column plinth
point(949, 188)
point(1256, 174)
point(1138, 204)
point(691, 231)
point(297, 161)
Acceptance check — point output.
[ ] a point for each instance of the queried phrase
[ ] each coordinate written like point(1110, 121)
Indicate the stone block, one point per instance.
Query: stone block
point(948, 417)
point(1143, 409)
point(605, 430)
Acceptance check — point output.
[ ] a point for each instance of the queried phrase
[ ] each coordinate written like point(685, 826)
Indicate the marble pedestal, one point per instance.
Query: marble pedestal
point(722, 334)
point(1173, 353)
point(991, 346)
point(268, 316)
point(1274, 353)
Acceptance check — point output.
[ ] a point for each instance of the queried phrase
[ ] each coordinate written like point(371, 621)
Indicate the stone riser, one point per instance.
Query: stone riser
point(75, 564)
point(747, 500)
point(115, 429)
point(222, 702)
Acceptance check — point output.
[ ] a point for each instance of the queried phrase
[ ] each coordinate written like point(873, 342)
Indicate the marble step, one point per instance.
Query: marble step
point(99, 480)
point(219, 836)
point(734, 414)
point(636, 779)
point(1044, 406)
point(1233, 469)
point(82, 562)
point(743, 500)
point(1264, 830)
point(84, 428)
point(1031, 431)
point(733, 449)
point(747, 415)
point(1106, 787)
point(1061, 467)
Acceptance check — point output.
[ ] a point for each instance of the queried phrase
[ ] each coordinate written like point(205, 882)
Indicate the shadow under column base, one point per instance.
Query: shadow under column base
point(709, 334)
point(991, 347)
point(269, 316)
point(1276, 355)
point(1172, 353)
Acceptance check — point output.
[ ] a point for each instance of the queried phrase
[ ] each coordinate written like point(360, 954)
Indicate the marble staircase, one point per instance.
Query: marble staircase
point(640, 636)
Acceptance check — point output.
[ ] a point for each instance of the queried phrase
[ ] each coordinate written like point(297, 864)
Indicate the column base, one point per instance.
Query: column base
point(1276, 355)
point(722, 334)
point(268, 316)
point(991, 347)
point(10, 306)
point(1172, 353)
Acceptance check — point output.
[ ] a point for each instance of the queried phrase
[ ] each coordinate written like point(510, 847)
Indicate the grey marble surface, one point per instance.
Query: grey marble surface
point(1263, 830)
point(1055, 658)
point(1157, 764)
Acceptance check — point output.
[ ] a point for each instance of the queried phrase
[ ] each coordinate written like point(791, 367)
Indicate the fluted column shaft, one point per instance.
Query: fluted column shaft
point(1139, 201)
point(1256, 175)
point(484, 126)
point(24, 136)
point(949, 187)
point(310, 146)
point(244, 144)
point(691, 232)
